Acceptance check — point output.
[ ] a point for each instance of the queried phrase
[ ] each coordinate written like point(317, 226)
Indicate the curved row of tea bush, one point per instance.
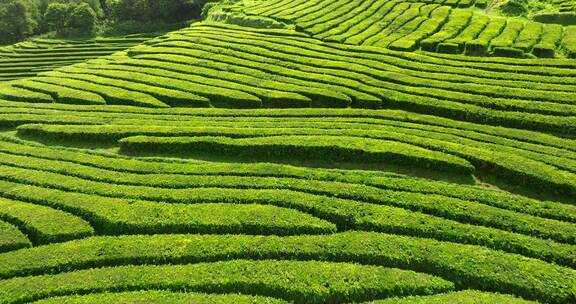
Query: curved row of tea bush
point(545, 170)
point(111, 209)
point(16, 113)
point(106, 168)
point(460, 210)
point(315, 74)
point(156, 296)
point(11, 238)
point(409, 26)
point(461, 297)
point(296, 281)
point(43, 225)
point(27, 59)
point(465, 265)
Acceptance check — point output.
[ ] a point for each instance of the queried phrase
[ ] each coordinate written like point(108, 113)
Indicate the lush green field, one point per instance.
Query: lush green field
point(288, 151)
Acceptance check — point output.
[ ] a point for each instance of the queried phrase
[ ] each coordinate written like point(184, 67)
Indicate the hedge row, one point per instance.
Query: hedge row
point(11, 238)
point(61, 94)
point(398, 99)
point(394, 11)
point(258, 83)
point(549, 42)
point(465, 265)
point(353, 27)
point(43, 225)
point(319, 145)
point(569, 41)
point(155, 96)
point(159, 297)
point(219, 92)
point(411, 41)
point(113, 95)
point(509, 34)
point(75, 163)
point(297, 282)
point(376, 86)
point(410, 22)
point(438, 139)
point(131, 115)
point(435, 138)
point(330, 14)
point(529, 36)
point(460, 297)
point(18, 94)
point(380, 39)
point(329, 23)
point(464, 211)
point(479, 46)
point(307, 148)
point(355, 54)
point(457, 20)
point(126, 217)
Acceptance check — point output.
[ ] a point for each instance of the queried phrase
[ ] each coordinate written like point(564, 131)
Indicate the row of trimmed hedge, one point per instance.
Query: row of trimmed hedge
point(465, 265)
point(428, 27)
point(485, 67)
point(361, 22)
point(397, 99)
point(336, 22)
point(125, 216)
point(219, 92)
point(463, 211)
point(537, 169)
point(307, 148)
point(113, 95)
point(118, 215)
point(159, 297)
point(460, 297)
point(16, 113)
point(141, 94)
point(295, 281)
point(359, 67)
point(11, 238)
point(430, 137)
point(79, 164)
point(43, 225)
point(62, 94)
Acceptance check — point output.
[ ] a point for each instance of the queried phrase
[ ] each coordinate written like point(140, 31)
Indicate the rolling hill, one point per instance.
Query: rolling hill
point(280, 151)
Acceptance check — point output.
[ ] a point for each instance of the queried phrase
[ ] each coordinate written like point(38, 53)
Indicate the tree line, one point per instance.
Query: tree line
point(20, 19)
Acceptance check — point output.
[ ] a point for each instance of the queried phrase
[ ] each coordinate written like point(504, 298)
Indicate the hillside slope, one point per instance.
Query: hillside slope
point(270, 155)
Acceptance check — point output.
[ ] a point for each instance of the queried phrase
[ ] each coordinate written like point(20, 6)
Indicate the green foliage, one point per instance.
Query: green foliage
point(11, 238)
point(329, 148)
point(83, 19)
point(44, 225)
point(56, 17)
point(16, 20)
point(160, 297)
point(460, 297)
point(467, 266)
point(295, 281)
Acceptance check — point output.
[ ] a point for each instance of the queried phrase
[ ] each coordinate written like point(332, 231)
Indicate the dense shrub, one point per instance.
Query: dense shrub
point(16, 20)
point(83, 19)
point(56, 16)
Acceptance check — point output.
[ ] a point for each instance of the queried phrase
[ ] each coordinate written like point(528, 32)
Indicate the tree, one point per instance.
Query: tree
point(15, 21)
point(130, 10)
point(83, 19)
point(56, 17)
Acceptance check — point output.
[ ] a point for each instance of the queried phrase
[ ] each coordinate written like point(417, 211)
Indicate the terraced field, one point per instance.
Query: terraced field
point(269, 163)
point(27, 59)
point(436, 26)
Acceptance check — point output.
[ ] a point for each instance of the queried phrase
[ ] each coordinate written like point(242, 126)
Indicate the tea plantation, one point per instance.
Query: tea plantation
point(295, 151)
